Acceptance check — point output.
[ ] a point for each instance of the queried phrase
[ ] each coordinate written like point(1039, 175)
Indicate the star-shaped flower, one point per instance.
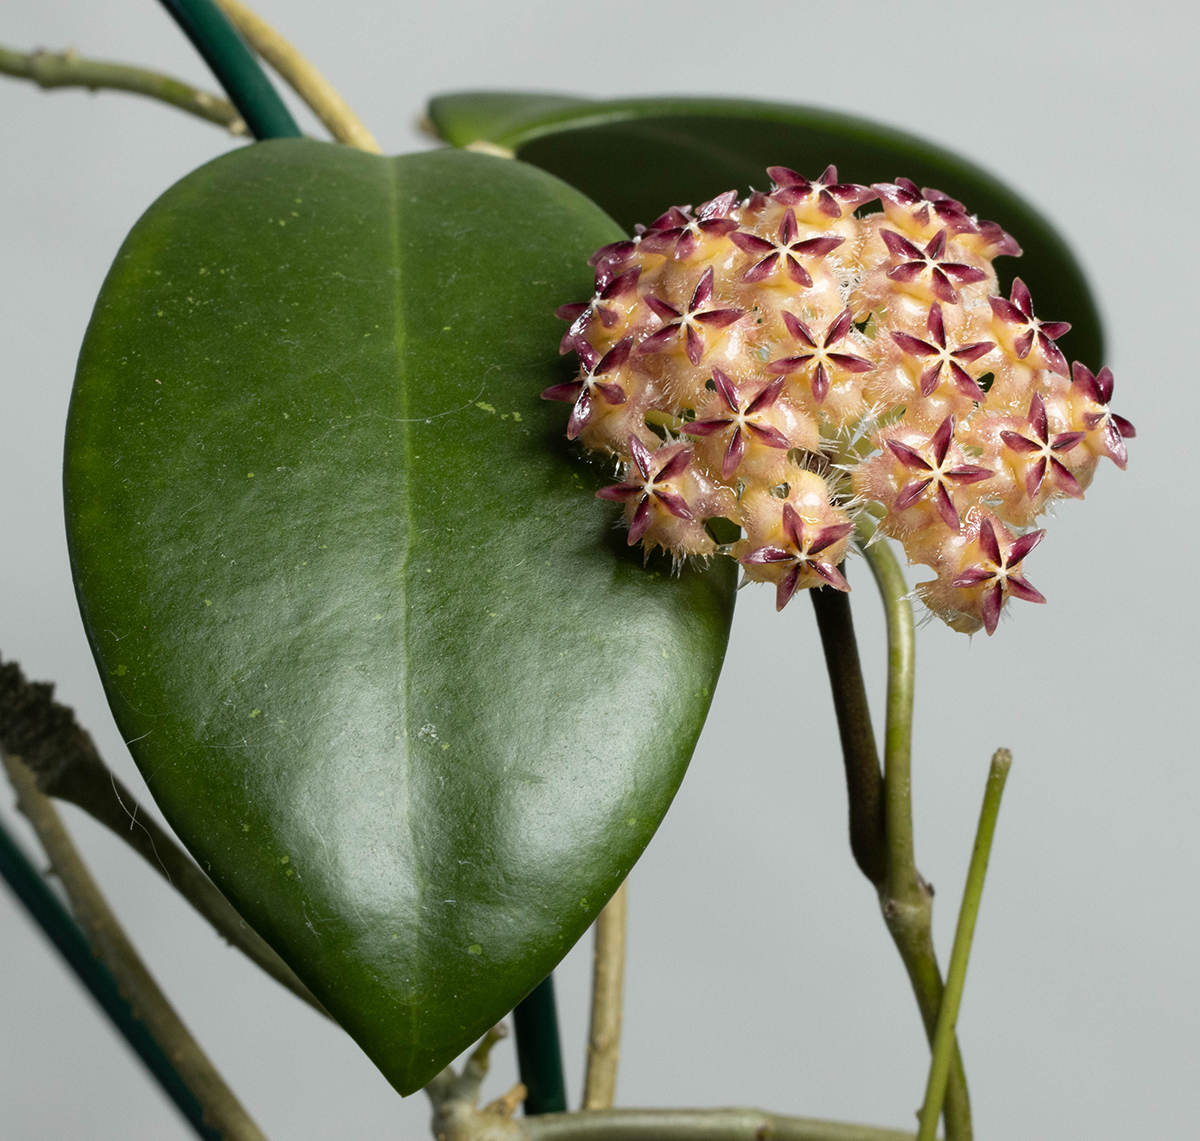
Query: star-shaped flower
point(579, 313)
point(744, 421)
point(819, 350)
point(678, 232)
point(1097, 390)
point(1028, 330)
point(588, 387)
point(785, 251)
point(799, 554)
point(997, 571)
point(647, 482)
point(925, 205)
point(929, 263)
point(691, 323)
point(934, 475)
point(1037, 443)
point(827, 195)
point(944, 357)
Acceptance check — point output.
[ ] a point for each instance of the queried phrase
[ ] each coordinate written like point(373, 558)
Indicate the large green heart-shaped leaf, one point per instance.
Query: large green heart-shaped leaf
point(636, 157)
point(386, 663)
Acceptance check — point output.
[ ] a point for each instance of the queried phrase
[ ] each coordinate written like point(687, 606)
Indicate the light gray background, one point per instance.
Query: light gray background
point(760, 971)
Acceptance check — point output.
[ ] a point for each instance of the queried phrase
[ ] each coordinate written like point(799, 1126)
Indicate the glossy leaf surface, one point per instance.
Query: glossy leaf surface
point(636, 157)
point(385, 662)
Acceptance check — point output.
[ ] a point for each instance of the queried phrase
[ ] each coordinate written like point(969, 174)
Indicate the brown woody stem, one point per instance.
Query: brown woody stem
point(608, 984)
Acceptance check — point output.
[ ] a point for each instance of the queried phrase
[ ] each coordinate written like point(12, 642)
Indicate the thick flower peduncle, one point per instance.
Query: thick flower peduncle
point(787, 364)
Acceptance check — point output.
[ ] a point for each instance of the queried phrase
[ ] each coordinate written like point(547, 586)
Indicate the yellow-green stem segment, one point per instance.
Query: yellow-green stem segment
point(943, 1039)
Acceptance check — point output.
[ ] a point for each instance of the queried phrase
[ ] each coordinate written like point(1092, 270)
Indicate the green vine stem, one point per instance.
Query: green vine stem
point(864, 782)
point(64, 759)
point(302, 77)
point(221, 1109)
point(69, 69)
point(696, 1125)
point(58, 926)
point(905, 898)
point(539, 1052)
point(956, 973)
point(235, 67)
point(608, 986)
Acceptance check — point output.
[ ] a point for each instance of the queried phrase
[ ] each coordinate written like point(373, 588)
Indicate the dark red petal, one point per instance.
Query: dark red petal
point(785, 176)
point(571, 311)
point(964, 273)
point(703, 292)
point(945, 507)
point(839, 327)
point(734, 452)
point(661, 309)
point(1024, 589)
point(658, 341)
point(1065, 479)
point(973, 576)
point(1006, 311)
point(1127, 430)
point(965, 384)
point(727, 390)
point(793, 526)
point(799, 330)
point(613, 393)
point(909, 457)
point(788, 364)
point(939, 285)
point(766, 555)
point(936, 326)
point(718, 318)
point(674, 503)
point(820, 383)
point(816, 247)
point(1019, 443)
point(761, 270)
point(900, 247)
point(619, 286)
point(939, 442)
point(767, 396)
point(675, 466)
point(695, 345)
point(1034, 477)
point(831, 575)
point(974, 351)
point(640, 523)
point(772, 437)
point(580, 415)
point(1021, 298)
point(850, 362)
point(641, 456)
point(615, 357)
point(930, 378)
point(686, 246)
point(998, 241)
point(1022, 546)
point(1065, 441)
point(718, 227)
point(907, 272)
point(993, 600)
point(1055, 329)
point(910, 494)
point(797, 272)
point(788, 230)
point(914, 346)
point(786, 588)
point(563, 391)
point(1082, 378)
point(989, 542)
point(1037, 418)
point(1104, 382)
point(1023, 344)
point(1053, 355)
point(608, 317)
point(706, 427)
point(621, 492)
point(969, 473)
point(751, 244)
point(828, 205)
point(828, 535)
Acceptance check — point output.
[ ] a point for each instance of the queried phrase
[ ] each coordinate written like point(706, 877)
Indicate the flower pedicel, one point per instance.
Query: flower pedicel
point(783, 363)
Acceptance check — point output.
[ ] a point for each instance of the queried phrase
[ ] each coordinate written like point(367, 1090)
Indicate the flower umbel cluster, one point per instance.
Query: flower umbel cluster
point(800, 370)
